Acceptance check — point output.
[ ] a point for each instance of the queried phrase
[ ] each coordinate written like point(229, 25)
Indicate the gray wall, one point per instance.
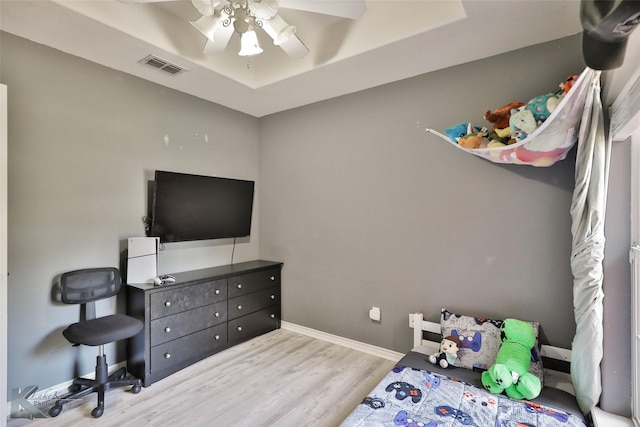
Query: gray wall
point(367, 209)
point(83, 142)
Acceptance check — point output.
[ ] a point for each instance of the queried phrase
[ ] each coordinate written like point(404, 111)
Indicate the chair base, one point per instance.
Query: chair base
point(83, 386)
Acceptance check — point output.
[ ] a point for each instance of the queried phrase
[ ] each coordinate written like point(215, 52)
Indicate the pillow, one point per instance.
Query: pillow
point(480, 341)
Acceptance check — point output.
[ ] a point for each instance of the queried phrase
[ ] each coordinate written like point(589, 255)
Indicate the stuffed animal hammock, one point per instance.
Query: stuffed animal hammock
point(551, 140)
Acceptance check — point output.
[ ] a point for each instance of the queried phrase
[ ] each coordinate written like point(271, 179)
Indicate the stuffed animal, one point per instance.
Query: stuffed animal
point(540, 158)
point(542, 106)
point(456, 132)
point(500, 117)
point(474, 140)
point(510, 373)
point(448, 353)
point(522, 123)
point(568, 84)
point(503, 133)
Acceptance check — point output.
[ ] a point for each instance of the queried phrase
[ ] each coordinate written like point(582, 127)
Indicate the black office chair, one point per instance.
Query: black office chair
point(85, 287)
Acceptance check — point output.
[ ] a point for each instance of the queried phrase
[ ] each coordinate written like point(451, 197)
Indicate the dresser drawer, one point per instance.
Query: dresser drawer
point(188, 349)
point(246, 304)
point(177, 325)
point(252, 282)
point(254, 324)
point(183, 298)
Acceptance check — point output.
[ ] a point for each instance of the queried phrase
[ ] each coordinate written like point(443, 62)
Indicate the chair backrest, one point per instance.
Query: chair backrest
point(88, 285)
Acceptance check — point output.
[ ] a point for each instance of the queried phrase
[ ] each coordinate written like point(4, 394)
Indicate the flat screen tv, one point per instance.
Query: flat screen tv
point(195, 207)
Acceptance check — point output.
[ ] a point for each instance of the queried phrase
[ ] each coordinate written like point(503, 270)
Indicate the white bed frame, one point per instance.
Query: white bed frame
point(552, 378)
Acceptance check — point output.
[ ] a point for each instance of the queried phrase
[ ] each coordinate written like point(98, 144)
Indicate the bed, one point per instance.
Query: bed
point(418, 393)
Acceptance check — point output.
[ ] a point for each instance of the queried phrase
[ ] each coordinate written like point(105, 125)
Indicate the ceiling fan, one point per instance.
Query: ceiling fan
point(222, 18)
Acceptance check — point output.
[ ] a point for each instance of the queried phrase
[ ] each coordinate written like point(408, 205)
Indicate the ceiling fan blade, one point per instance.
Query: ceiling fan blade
point(220, 40)
point(352, 9)
point(263, 9)
point(295, 48)
point(278, 29)
point(206, 7)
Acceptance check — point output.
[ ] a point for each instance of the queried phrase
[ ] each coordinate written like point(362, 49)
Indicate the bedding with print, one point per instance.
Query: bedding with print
point(418, 397)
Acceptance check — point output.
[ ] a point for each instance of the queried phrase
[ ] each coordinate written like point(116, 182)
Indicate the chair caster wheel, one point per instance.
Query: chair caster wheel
point(74, 388)
point(54, 411)
point(97, 412)
point(136, 389)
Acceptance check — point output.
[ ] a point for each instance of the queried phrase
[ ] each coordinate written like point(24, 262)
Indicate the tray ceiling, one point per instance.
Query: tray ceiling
point(393, 40)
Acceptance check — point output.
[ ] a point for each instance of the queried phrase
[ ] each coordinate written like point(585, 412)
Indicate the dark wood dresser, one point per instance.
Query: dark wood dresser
point(202, 313)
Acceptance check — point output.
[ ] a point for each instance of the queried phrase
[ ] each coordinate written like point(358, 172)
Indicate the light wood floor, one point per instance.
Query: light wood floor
point(278, 379)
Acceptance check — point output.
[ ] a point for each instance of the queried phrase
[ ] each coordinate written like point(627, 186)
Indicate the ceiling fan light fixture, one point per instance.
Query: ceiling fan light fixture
point(227, 17)
point(207, 25)
point(249, 45)
point(241, 26)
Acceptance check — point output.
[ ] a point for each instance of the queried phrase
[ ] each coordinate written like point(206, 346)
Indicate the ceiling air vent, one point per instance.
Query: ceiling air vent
point(162, 64)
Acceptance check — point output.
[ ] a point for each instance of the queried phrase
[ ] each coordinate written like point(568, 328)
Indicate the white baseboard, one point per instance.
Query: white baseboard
point(345, 342)
point(605, 419)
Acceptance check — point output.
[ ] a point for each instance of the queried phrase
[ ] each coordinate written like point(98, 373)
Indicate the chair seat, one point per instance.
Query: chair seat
point(103, 330)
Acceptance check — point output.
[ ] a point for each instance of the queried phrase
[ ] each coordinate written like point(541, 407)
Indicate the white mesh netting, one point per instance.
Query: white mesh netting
point(552, 140)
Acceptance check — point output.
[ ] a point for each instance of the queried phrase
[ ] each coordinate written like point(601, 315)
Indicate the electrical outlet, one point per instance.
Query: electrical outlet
point(374, 314)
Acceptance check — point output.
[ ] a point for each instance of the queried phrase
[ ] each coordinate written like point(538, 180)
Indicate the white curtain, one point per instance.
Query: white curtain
point(587, 213)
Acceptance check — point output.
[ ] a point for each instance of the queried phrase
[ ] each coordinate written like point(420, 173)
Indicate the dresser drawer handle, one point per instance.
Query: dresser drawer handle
point(273, 296)
point(239, 307)
point(167, 303)
point(272, 278)
point(239, 286)
point(216, 337)
point(167, 355)
point(216, 314)
point(273, 316)
point(217, 292)
point(167, 329)
point(239, 328)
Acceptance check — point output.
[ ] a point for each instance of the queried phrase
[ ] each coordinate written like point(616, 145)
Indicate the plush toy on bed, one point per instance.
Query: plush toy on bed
point(448, 353)
point(510, 373)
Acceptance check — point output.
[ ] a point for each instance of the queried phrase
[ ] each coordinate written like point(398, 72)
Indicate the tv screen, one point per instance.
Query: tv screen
point(195, 207)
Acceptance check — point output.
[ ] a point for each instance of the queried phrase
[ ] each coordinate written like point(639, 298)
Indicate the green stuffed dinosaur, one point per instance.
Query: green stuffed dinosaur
point(510, 373)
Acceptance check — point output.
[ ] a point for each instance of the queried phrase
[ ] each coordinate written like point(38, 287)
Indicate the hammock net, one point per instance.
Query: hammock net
point(551, 140)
